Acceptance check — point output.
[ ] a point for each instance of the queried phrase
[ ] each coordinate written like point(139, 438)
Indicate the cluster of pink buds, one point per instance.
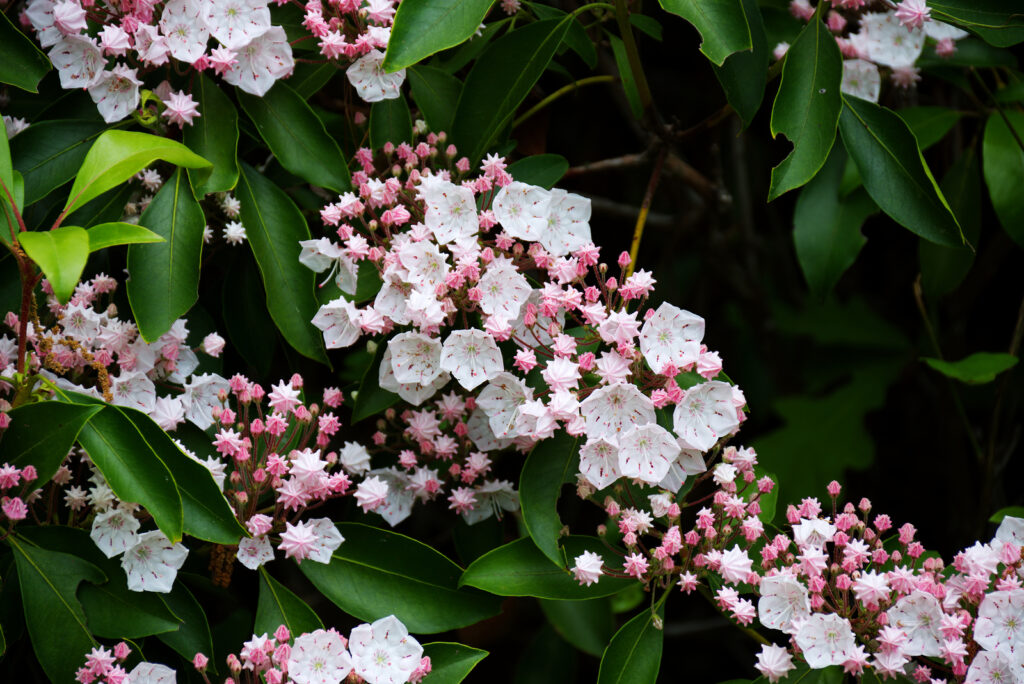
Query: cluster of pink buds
point(15, 485)
point(102, 667)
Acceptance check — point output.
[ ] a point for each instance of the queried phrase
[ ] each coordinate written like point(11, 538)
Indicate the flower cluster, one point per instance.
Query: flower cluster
point(101, 667)
point(378, 653)
point(885, 43)
point(14, 507)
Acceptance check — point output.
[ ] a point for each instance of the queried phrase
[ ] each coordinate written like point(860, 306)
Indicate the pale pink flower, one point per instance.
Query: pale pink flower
point(69, 17)
point(371, 493)
point(825, 640)
point(79, 61)
point(673, 336)
point(471, 356)
point(153, 563)
point(328, 539)
point(116, 93)
point(339, 321)
point(185, 34)
point(568, 224)
point(599, 462)
point(501, 400)
point(784, 600)
point(522, 210)
point(236, 22)
point(383, 652)
point(504, 289)
point(261, 62)
point(735, 565)
point(180, 108)
point(152, 673)
point(646, 452)
point(319, 657)
point(705, 415)
point(774, 662)
point(254, 551)
point(613, 410)
point(913, 13)
point(371, 82)
point(587, 568)
point(450, 209)
point(1000, 624)
point(298, 541)
point(115, 531)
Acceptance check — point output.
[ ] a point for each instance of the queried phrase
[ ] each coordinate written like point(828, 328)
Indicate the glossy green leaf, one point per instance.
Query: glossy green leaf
point(310, 78)
point(451, 663)
point(193, 634)
point(826, 228)
point(436, 93)
point(114, 234)
point(646, 24)
point(6, 169)
point(944, 268)
point(587, 625)
point(376, 573)
point(540, 169)
point(895, 173)
point(550, 464)
point(130, 464)
point(245, 314)
point(1012, 511)
point(521, 569)
point(390, 121)
point(274, 226)
point(997, 21)
point(115, 612)
point(168, 272)
point(8, 221)
point(61, 254)
point(206, 514)
point(722, 25)
point(42, 434)
point(807, 106)
point(116, 156)
point(576, 38)
point(634, 654)
point(22, 64)
point(279, 606)
point(371, 399)
point(626, 76)
point(977, 369)
point(107, 208)
point(546, 659)
point(49, 581)
point(1003, 163)
point(297, 137)
point(48, 154)
point(743, 74)
point(214, 136)
point(423, 27)
point(500, 80)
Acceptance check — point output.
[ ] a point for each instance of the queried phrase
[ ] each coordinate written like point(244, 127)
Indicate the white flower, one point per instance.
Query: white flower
point(871, 588)
point(861, 79)
point(371, 82)
point(153, 563)
point(328, 539)
point(813, 532)
point(398, 505)
point(492, 497)
point(705, 415)
point(884, 40)
point(774, 662)
point(236, 22)
point(255, 551)
point(992, 667)
point(613, 410)
point(784, 600)
point(152, 673)
point(384, 653)
point(735, 565)
point(427, 266)
point(1011, 531)
point(354, 458)
point(568, 225)
point(522, 210)
point(451, 209)
point(503, 289)
point(588, 568)
point(116, 93)
point(472, 356)
point(371, 493)
point(501, 400)
point(115, 531)
point(261, 62)
point(319, 658)
point(185, 34)
point(201, 397)
point(339, 321)
point(135, 390)
point(413, 392)
point(825, 640)
point(415, 358)
point(671, 335)
point(919, 616)
point(1000, 625)
point(234, 233)
point(646, 452)
point(599, 462)
point(79, 61)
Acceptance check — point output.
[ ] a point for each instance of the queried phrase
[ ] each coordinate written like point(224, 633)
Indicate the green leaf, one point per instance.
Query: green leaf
point(436, 93)
point(22, 64)
point(977, 369)
point(1012, 511)
point(423, 27)
point(118, 155)
point(390, 121)
point(214, 136)
point(49, 581)
point(371, 399)
point(626, 76)
point(279, 606)
point(61, 254)
point(49, 153)
point(540, 169)
point(42, 434)
point(113, 234)
point(115, 612)
point(297, 137)
point(376, 573)
point(8, 221)
point(646, 24)
point(807, 106)
point(130, 465)
point(634, 654)
point(546, 659)
point(245, 314)
point(521, 569)
point(275, 226)
point(895, 173)
point(550, 464)
point(166, 282)
point(107, 208)
point(1003, 163)
point(826, 229)
point(944, 268)
point(587, 625)
point(1011, 92)
point(6, 169)
point(450, 663)
point(500, 80)
point(722, 25)
point(193, 634)
point(743, 74)
point(1000, 23)
point(310, 78)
